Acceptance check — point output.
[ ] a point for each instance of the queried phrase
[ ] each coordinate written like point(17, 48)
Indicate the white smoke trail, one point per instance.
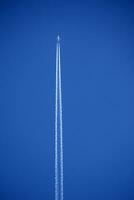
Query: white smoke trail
point(58, 130)
point(61, 132)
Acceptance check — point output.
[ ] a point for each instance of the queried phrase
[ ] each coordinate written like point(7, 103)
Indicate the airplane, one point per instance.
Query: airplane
point(58, 38)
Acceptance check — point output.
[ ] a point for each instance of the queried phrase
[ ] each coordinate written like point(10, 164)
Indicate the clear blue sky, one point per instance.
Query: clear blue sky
point(97, 52)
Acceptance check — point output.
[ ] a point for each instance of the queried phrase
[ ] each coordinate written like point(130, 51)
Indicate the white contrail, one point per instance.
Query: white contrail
point(58, 129)
point(61, 132)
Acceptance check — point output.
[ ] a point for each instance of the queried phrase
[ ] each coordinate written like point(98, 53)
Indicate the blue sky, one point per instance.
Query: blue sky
point(97, 47)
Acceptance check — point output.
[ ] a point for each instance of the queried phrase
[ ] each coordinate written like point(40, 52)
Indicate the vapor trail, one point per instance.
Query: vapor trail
point(58, 129)
point(61, 132)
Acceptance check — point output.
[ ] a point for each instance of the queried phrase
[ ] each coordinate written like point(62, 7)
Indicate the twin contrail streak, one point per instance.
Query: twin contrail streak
point(58, 129)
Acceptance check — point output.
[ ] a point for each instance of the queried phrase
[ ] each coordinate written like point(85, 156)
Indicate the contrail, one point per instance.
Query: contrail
point(61, 131)
point(56, 127)
point(59, 176)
